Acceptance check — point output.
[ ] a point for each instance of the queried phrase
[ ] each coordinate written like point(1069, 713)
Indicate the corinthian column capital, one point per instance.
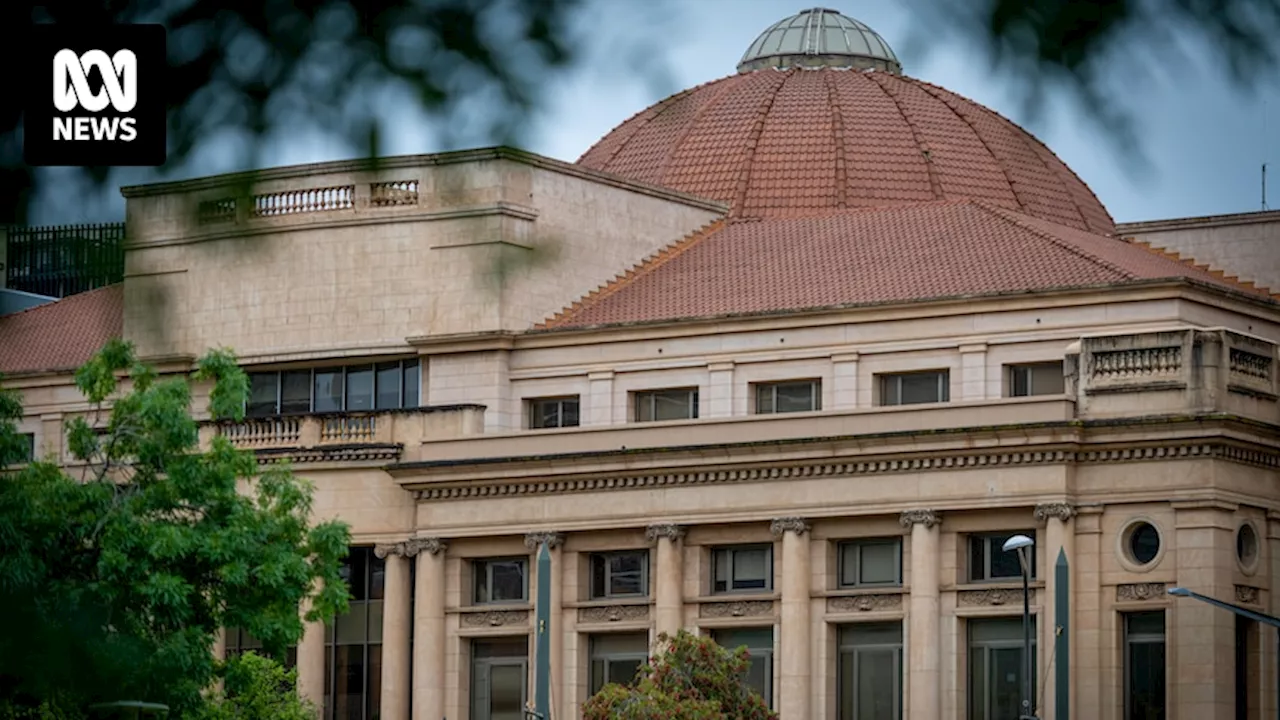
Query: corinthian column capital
point(1060, 510)
point(669, 531)
point(783, 525)
point(927, 518)
point(552, 539)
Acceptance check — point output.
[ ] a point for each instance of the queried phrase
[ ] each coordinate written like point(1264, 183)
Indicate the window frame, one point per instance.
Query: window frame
point(849, 652)
point(1127, 641)
point(989, 645)
point(593, 642)
point(406, 403)
point(989, 541)
point(607, 593)
point(720, 552)
point(533, 405)
point(649, 397)
point(771, 388)
point(490, 661)
point(1012, 371)
point(30, 456)
point(883, 381)
point(858, 544)
point(487, 563)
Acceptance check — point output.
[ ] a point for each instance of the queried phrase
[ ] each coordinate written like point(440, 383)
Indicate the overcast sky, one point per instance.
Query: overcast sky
point(1204, 139)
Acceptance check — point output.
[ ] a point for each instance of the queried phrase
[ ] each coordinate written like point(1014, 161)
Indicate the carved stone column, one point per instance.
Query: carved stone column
point(669, 595)
point(429, 630)
point(924, 672)
point(1059, 536)
point(795, 680)
point(311, 665)
point(556, 612)
point(396, 628)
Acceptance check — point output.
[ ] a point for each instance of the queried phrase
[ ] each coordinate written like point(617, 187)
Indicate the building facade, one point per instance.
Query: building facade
point(784, 359)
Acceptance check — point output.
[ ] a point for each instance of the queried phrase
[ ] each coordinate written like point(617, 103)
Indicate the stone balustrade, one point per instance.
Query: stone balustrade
point(383, 435)
point(1187, 370)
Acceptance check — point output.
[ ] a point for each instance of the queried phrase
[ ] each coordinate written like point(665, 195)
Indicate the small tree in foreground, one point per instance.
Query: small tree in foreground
point(689, 678)
point(116, 576)
point(257, 688)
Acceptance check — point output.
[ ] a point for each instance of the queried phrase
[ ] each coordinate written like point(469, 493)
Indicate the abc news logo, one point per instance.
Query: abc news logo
point(101, 102)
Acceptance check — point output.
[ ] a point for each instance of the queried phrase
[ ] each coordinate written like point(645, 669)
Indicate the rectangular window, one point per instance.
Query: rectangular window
point(620, 574)
point(870, 671)
point(616, 658)
point(871, 563)
point(412, 381)
point(264, 394)
point(1036, 379)
point(932, 386)
point(388, 379)
point(553, 412)
point(28, 452)
point(353, 642)
point(1144, 681)
point(295, 392)
point(328, 390)
point(500, 580)
point(742, 568)
point(759, 644)
point(995, 667)
point(359, 388)
point(785, 397)
point(988, 560)
point(678, 404)
point(499, 678)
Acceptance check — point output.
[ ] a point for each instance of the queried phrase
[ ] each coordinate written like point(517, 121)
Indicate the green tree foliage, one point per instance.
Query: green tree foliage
point(116, 574)
point(690, 677)
point(257, 688)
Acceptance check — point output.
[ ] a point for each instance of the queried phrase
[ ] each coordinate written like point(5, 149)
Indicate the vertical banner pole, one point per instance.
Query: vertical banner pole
point(1062, 653)
point(542, 657)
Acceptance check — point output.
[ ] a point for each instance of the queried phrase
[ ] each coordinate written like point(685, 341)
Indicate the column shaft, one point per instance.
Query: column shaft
point(923, 668)
point(794, 698)
point(395, 636)
point(311, 664)
point(429, 632)
point(669, 594)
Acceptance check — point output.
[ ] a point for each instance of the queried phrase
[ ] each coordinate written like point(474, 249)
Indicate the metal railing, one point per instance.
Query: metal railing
point(64, 260)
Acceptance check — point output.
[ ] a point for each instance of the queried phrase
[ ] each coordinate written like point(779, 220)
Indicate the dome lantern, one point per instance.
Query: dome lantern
point(819, 37)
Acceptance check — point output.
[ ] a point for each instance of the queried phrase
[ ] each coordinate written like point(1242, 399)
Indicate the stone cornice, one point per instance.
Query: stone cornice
point(1200, 448)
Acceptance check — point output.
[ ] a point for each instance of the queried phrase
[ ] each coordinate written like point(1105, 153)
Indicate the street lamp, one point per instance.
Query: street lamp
point(1242, 611)
point(1023, 546)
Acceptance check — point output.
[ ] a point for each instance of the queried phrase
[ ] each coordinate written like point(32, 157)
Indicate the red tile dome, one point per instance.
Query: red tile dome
point(786, 142)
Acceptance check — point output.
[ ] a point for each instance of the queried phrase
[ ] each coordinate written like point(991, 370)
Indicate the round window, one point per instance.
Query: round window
point(1144, 542)
point(1247, 545)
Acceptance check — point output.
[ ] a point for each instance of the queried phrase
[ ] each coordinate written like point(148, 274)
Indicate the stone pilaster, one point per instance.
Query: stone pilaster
point(1203, 686)
point(924, 677)
point(396, 627)
point(794, 697)
point(973, 371)
point(599, 405)
point(554, 541)
point(1059, 535)
point(311, 661)
point(844, 381)
point(669, 594)
point(720, 402)
point(429, 630)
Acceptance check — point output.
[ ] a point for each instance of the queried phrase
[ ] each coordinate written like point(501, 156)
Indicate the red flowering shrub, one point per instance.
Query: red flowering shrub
point(689, 678)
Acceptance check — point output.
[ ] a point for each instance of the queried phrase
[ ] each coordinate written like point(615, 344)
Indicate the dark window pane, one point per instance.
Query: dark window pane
point(796, 397)
point(506, 692)
point(377, 575)
point(28, 448)
point(295, 391)
point(750, 569)
point(879, 563)
point(508, 580)
point(764, 399)
point(349, 682)
point(569, 413)
point(599, 576)
point(353, 571)
point(328, 390)
point(374, 695)
point(1021, 381)
point(626, 574)
point(1144, 543)
point(1003, 564)
point(359, 388)
point(921, 388)
point(389, 375)
point(1144, 662)
point(623, 672)
point(412, 376)
point(264, 391)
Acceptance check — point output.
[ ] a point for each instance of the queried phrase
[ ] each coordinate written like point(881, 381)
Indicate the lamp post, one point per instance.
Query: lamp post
point(1022, 545)
point(1245, 612)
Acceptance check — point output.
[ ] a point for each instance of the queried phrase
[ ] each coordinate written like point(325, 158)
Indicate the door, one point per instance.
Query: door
point(498, 689)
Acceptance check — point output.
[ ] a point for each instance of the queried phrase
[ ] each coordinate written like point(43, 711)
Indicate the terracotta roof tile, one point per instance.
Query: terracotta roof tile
point(789, 143)
point(940, 249)
point(61, 335)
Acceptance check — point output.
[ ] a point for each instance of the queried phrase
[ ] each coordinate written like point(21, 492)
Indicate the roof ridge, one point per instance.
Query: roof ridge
point(621, 280)
point(1004, 214)
point(926, 150)
point(1221, 275)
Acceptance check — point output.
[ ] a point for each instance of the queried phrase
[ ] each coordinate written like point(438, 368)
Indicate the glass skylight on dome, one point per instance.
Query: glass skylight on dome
point(819, 37)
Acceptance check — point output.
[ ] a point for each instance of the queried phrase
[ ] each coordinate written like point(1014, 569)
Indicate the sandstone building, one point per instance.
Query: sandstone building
point(783, 359)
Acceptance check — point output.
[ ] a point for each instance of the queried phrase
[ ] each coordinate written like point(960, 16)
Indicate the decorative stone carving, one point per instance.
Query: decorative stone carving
point(410, 548)
point(781, 526)
point(552, 539)
point(613, 613)
point(1060, 511)
point(928, 518)
point(495, 618)
point(665, 530)
point(1139, 592)
point(992, 597)
point(864, 603)
point(1247, 594)
point(742, 608)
